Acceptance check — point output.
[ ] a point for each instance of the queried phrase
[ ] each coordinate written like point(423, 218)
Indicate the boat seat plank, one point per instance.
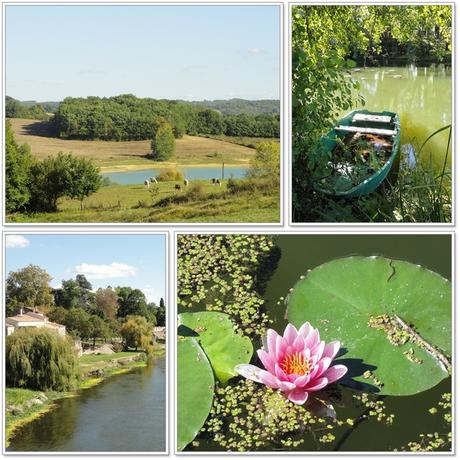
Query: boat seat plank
point(375, 118)
point(358, 129)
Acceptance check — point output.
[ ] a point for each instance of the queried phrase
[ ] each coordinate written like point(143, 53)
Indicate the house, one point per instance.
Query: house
point(159, 334)
point(30, 318)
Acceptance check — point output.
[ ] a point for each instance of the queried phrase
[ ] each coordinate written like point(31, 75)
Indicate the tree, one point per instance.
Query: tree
point(99, 329)
point(266, 162)
point(163, 142)
point(40, 359)
point(131, 302)
point(84, 180)
point(18, 161)
point(161, 313)
point(59, 176)
point(28, 287)
point(75, 294)
point(137, 332)
point(79, 323)
point(107, 303)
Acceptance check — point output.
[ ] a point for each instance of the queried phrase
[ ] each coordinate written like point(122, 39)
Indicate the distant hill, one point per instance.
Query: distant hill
point(48, 106)
point(240, 106)
point(28, 109)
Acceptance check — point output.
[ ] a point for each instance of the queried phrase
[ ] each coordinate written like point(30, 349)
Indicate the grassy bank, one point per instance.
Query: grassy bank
point(130, 155)
point(24, 405)
point(134, 203)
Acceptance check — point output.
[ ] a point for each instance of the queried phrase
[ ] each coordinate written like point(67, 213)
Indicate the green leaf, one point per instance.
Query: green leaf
point(223, 346)
point(195, 390)
point(342, 296)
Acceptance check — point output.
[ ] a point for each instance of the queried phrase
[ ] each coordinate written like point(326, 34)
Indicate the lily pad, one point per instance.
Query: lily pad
point(223, 346)
point(195, 390)
point(348, 300)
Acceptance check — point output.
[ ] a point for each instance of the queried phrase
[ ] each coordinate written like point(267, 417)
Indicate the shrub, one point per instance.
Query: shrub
point(40, 359)
point(170, 175)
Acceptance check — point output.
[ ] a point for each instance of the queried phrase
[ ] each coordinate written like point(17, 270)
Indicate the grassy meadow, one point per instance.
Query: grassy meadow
point(131, 155)
point(199, 202)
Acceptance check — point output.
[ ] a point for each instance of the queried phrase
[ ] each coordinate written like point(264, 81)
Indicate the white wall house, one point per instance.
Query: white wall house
point(30, 318)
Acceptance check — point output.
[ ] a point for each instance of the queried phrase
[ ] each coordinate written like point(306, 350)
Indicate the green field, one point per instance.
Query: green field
point(133, 203)
point(127, 155)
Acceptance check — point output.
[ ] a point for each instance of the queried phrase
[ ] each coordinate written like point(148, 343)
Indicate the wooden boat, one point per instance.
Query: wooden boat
point(361, 149)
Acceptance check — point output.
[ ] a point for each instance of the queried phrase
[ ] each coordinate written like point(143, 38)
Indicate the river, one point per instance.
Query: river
point(190, 173)
point(125, 413)
point(422, 96)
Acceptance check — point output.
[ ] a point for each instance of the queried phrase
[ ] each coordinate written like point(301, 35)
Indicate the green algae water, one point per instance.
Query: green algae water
point(296, 254)
point(422, 96)
point(125, 413)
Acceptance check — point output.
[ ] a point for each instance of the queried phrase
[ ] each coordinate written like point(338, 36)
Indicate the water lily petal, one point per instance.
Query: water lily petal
point(281, 347)
point(249, 371)
point(269, 379)
point(335, 372)
point(312, 339)
point(271, 342)
point(318, 349)
point(298, 396)
point(305, 330)
point(290, 334)
point(299, 344)
point(321, 367)
point(280, 374)
point(286, 386)
point(316, 384)
point(331, 349)
point(302, 380)
point(267, 360)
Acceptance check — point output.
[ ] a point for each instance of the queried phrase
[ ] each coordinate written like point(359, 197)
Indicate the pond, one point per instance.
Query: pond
point(190, 173)
point(422, 96)
point(293, 256)
point(125, 413)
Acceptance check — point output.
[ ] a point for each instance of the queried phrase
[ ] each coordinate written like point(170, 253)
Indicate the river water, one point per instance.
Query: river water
point(190, 173)
point(125, 413)
point(422, 96)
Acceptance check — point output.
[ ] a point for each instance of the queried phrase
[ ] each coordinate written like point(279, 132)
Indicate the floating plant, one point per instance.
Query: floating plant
point(391, 315)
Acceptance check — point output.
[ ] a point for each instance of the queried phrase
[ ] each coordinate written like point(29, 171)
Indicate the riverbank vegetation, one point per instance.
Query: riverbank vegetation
point(328, 42)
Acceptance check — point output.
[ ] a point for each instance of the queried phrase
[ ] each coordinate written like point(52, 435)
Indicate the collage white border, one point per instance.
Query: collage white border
point(284, 227)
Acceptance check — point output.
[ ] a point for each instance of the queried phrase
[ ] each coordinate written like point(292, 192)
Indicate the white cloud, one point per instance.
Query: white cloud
point(254, 50)
point(16, 241)
point(99, 272)
point(149, 293)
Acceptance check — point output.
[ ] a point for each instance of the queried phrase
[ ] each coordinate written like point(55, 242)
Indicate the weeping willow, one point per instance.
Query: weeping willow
point(40, 359)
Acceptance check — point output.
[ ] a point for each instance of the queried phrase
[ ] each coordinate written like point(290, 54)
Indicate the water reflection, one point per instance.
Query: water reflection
point(124, 414)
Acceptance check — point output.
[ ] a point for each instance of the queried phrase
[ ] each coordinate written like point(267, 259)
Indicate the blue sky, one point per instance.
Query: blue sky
point(172, 52)
point(134, 260)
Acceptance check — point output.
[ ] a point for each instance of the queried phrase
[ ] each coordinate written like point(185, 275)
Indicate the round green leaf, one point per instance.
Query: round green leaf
point(195, 390)
point(223, 346)
point(342, 296)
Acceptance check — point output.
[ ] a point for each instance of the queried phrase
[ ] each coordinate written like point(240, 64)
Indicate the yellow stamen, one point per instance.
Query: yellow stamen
point(295, 364)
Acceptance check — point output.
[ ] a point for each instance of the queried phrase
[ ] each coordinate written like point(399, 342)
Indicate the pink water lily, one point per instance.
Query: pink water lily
point(297, 363)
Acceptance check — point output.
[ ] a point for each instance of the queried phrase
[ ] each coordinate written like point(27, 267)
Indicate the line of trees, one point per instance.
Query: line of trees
point(32, 185)
point(17, 109)
point(127, 117)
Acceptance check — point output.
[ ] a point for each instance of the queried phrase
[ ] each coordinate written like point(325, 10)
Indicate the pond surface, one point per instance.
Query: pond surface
point(190, 173)
point(300, 253)
point(422, 96)
point(126, 413)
